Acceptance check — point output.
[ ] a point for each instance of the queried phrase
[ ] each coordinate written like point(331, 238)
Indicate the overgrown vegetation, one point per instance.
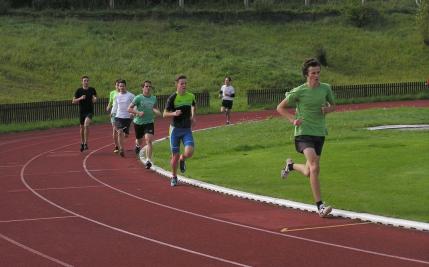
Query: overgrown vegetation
point(44, 53)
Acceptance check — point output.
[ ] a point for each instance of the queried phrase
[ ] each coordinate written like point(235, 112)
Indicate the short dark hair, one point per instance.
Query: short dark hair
point(117, 81)
point(147, 81)
point(229, 78)
point(310, 62)
point(84, 77)
point(122, 81)
point(180, 76)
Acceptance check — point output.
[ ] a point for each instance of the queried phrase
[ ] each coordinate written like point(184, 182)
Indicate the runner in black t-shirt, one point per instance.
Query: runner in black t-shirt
point(86, 97)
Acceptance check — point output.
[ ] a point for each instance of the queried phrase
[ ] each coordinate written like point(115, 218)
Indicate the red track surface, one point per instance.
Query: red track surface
point(62, 207)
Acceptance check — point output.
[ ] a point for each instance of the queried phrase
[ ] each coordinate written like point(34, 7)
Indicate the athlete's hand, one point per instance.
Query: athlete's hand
point(297, 122)
point(140, 113)
point(178, 112)
point(83, 97)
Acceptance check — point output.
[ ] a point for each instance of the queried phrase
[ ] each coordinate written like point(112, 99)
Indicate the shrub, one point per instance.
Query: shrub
point(4, 6)
point(320, 54)
point(423, 20)
point(362, 15)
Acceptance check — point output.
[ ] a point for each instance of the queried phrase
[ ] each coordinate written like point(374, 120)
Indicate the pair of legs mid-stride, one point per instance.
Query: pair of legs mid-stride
point(226, 108)
point(312, 149)
point(145, 131)
point(178, 135)
point(85, 122)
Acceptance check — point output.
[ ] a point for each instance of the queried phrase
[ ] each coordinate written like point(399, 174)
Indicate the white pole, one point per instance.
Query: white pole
point(181, 3)
point(307, 2)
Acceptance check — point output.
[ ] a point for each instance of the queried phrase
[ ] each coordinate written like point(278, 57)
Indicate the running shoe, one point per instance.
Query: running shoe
point(116, 149)
point(148, 164)
point(286, 170)
point(121, 153)
point(86, 146)
point(82, 147)
point(182, 165)
point(324, 211)
point(173, 181)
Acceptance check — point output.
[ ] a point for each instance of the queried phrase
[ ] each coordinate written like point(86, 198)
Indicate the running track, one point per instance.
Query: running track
point(60, 207)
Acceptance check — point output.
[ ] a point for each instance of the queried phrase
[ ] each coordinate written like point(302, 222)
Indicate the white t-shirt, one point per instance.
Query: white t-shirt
point(121, 104)
point(227, 90)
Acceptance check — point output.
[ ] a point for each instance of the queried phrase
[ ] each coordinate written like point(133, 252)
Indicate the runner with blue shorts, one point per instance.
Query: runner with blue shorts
point(181, 107)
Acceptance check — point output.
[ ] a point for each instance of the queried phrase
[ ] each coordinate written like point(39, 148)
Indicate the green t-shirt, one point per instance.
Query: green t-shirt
point(112, 97)
point(309, 102)
point(145, 104)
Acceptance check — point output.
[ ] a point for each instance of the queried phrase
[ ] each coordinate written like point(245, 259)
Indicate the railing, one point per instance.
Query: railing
point(267, 96)
point(54, 110)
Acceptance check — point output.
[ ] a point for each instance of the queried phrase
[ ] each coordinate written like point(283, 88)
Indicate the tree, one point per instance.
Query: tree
point(423, 20)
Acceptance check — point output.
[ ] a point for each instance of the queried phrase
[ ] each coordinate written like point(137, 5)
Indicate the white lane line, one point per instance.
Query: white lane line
point(55, 188)
point(112, 227)
point(251, 227)
point(16, 243)
point(10, 166)
point(37, 219)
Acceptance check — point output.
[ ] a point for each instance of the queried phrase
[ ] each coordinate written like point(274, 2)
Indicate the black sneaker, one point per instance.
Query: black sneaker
point(148, 164)
point(137, 150)
point(86, 146)
point(82, 147)
point(182, 165)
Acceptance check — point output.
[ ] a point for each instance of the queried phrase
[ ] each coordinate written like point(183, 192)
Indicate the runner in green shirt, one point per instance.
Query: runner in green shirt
point(112, 96)
point(313, 100)
point(144, 107)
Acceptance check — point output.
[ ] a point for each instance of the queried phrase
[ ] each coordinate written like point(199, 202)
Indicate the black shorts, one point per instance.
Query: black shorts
point(123, 124)
point(141, 130)
point(305, 141)
point(227, 104)
point(83, 116)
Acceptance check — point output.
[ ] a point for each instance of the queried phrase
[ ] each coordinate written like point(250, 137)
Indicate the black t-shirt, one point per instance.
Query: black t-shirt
point(184, 103)
point(86, 105)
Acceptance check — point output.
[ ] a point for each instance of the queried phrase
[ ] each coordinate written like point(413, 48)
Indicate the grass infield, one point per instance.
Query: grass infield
point(379, 172)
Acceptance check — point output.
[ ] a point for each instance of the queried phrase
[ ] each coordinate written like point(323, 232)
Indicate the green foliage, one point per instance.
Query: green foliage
point(423, 20)
point(44, 56)
point(363, 15)
point(321, 55)
point(4, 6)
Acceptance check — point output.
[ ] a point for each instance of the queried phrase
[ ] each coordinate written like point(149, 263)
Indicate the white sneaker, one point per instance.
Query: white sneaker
point(324, 211)
point(285, 171)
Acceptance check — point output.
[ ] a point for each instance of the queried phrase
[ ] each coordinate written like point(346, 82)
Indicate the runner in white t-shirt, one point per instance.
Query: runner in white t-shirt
point(227, 93)
point(122, 117)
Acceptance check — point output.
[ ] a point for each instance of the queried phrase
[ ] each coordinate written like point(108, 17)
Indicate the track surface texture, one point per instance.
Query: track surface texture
point(61, 207)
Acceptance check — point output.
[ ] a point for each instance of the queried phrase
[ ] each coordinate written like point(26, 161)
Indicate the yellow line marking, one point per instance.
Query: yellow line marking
point(284, 230)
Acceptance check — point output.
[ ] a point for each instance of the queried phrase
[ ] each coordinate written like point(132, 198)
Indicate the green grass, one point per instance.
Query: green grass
point(379, 172)
point(43, 58)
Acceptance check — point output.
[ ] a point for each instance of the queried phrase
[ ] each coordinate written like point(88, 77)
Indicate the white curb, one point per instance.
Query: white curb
point(292, 204)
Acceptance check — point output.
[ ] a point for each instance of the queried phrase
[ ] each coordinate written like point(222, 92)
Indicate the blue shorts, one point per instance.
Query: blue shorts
point(180, 134)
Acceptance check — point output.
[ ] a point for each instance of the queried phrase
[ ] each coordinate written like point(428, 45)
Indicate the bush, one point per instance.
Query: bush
point(423, 20)
point(4, 6)
point(362, 15)
point(320, 54)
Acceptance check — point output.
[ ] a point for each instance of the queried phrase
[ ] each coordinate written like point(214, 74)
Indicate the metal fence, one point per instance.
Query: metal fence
point(55, 110)
point(268, 96)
